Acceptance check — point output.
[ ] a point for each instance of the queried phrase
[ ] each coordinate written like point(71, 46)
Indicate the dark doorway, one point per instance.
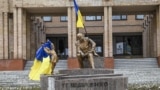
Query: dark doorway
point(127, 45)
point(61, 45)
point(98, 39)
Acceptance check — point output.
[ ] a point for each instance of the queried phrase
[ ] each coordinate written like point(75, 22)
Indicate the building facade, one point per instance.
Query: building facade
point(115, 25)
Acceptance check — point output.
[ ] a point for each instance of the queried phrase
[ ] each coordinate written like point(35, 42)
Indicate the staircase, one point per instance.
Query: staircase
point(17, 80)
point(135, 63)
point(62, 64)
point(118, 64)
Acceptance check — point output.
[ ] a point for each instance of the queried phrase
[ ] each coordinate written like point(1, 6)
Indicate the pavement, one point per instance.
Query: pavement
point(145, 76)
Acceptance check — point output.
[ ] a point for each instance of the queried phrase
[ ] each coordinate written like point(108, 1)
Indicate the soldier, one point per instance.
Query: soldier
point(86, 49)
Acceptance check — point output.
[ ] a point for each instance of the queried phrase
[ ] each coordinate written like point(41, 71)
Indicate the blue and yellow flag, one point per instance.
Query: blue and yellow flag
point(40, 53)
point(79, 16)
point(42, 64)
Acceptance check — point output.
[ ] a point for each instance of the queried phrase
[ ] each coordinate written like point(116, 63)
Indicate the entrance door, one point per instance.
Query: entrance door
point(61, 46)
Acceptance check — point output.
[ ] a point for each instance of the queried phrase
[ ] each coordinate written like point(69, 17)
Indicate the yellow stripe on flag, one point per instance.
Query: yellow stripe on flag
point(80, 20)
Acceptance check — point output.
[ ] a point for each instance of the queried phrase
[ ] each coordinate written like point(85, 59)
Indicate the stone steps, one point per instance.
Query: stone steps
point(135, 63)
point(28, 65)
point(12, 80)
point(141, 75)
point(62, 64)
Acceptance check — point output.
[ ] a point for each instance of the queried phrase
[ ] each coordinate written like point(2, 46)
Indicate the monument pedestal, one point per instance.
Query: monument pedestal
point(109, 62)
point(100, 62)
point(73, 63)
point(84, 79)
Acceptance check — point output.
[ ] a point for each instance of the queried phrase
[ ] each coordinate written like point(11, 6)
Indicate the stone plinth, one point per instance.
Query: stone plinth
point(73, 63)
point(109, 62)
point(94, 79)
point(99, 62)
point(12, 64)
point(86, 71)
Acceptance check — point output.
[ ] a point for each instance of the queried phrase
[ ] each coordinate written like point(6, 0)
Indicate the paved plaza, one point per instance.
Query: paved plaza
point(135, 76)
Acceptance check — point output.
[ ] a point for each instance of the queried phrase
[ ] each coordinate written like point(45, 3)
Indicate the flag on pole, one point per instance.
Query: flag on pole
point(79, 16)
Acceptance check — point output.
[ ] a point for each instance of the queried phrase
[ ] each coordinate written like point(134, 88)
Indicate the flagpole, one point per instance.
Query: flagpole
point(85, 30)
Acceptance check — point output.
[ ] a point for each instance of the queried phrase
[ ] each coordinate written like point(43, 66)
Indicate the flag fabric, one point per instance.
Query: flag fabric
point(80, 23)
point(42, 64)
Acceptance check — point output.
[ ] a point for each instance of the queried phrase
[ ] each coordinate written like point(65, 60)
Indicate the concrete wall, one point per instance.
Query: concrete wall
point(96, 27)
point(55, 3)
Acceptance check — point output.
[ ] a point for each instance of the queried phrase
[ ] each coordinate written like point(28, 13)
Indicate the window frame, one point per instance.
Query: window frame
point(136, 17)
point(47, 20)
point(95, 16)
point(121, 17)
point(66, 19)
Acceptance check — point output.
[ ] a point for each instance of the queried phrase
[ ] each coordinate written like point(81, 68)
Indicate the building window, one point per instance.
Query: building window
point(47, 18)
point(63, 18)
point(139, 17)
point(119, 17)
point(93, 18)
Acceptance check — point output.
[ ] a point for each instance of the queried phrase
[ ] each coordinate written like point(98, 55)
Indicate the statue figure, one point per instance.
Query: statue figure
point(86, 49)
point(54, 58)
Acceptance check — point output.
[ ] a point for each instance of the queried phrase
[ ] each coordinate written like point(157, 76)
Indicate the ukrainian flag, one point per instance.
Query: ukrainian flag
point(42, 64)
point(79, 16)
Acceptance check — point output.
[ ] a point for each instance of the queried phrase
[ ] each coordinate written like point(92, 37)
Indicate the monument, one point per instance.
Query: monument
point(85, 50)
point(85, 78)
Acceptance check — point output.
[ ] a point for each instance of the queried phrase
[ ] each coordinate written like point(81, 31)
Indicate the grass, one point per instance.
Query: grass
point(20, 88)
point(150, 86)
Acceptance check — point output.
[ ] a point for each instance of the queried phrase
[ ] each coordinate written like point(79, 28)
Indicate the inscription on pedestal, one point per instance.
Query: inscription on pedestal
point(92, 80)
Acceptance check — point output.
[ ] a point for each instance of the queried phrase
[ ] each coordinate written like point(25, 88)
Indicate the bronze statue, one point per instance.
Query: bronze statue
point(54, 58)
point(86, 49)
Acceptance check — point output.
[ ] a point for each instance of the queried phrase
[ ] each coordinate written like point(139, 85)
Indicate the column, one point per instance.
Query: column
point(158, 30)
point(33, 41)
point(24, 32)
point(1, 36)
point(110, 32)
point(158, 34)
point(154, 35)
point(144, 42)
point(5, 35)
point(10, 36)
point(74, 32)
point(15, 52)
point(107, 36)
point(28, 39)
point(20, 29)
point(69, 32)
point(72, 60)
